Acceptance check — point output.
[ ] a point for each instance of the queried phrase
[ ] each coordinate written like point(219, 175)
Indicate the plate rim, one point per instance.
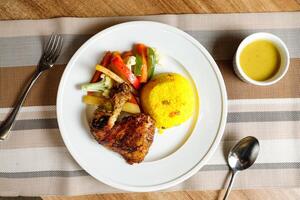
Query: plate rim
point(213, 146)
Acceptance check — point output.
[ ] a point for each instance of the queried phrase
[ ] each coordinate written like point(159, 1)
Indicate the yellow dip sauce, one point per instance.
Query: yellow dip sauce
point(260, 60)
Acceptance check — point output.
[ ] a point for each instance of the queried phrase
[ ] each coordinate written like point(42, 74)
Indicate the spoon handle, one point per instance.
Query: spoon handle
point(230, 185)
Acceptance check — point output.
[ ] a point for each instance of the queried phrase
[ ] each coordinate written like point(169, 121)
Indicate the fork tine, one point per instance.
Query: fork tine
point(52, 48)
point(49, 43)
point(57, 53)
point(51, 52)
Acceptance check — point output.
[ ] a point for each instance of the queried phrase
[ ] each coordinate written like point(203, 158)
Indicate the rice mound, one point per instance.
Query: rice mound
point(169, 99)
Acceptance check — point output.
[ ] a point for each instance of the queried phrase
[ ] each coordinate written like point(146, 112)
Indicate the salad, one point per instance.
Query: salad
point(135, 67)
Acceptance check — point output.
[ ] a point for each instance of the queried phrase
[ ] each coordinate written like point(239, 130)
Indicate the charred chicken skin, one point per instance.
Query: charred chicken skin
point(131, 136)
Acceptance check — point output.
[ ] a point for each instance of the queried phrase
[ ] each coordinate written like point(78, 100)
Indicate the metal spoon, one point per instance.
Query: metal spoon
point(241, 157)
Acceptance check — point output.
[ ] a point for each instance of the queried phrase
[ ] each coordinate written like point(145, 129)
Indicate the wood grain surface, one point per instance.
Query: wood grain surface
point(40, 9)
point(267, 194)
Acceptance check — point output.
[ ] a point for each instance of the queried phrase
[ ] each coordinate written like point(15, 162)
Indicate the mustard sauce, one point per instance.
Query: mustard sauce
point(260, 60)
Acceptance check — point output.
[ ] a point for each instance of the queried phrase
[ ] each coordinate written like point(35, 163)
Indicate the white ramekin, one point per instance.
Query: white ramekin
point(284, 54)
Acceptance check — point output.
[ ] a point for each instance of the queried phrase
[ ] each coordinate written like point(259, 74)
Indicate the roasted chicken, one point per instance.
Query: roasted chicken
point(130, 136)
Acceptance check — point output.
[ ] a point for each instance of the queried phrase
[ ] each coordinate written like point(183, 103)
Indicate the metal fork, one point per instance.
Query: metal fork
point(47, 60)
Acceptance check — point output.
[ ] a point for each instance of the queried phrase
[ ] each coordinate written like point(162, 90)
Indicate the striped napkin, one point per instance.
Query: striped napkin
point(34, 160)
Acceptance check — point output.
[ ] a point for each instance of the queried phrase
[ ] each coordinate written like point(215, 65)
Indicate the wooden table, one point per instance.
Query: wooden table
point(40, 9)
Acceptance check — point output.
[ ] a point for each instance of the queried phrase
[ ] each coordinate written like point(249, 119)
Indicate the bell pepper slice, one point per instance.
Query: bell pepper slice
point(105, 62)
point(125, 56)
point(132, 99)
point(97, 75)
point(109, 73)
point(141, 62)
point(118, 66)
point(151, 61)
point(131, 108)
point(96, 101)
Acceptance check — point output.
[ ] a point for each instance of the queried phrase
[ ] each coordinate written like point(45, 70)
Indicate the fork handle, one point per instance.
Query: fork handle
point(9, 121)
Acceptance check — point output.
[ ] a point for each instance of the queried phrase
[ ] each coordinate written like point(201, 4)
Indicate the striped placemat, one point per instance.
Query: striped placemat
point(34, 160)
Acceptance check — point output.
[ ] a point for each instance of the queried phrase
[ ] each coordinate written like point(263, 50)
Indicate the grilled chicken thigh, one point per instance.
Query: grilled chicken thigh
point(131, 136)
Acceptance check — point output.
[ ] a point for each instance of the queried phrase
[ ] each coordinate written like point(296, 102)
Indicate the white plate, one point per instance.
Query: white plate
point(175, 155)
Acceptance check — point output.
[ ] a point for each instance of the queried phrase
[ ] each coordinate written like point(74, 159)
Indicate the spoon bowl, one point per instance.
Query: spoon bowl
point(243, 154)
